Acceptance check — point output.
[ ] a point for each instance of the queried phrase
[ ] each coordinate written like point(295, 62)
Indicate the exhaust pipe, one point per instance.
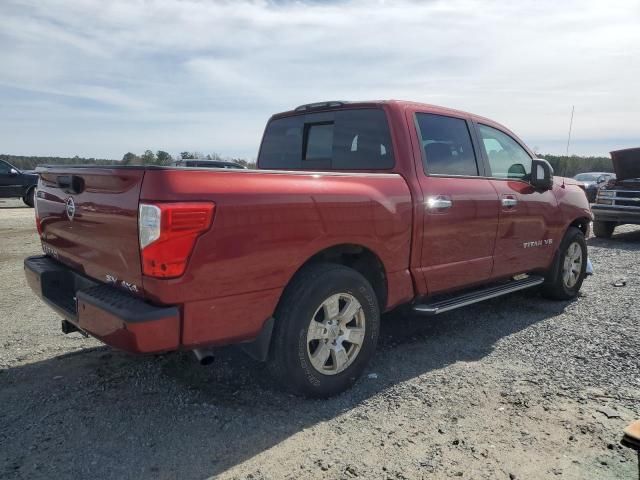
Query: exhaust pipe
point(204, 355)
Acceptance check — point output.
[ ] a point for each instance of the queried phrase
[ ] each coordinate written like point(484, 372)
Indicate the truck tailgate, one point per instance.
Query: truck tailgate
point(88, 218)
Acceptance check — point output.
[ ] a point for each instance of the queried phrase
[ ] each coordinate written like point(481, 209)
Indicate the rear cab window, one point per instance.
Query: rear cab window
point(345, 139)
point(447, 148)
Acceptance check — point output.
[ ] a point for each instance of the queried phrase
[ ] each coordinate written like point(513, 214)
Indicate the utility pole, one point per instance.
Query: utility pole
point(573, 107)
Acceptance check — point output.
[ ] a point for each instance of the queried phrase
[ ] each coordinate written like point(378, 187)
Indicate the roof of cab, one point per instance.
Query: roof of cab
point(402, 104)
point(332, 105)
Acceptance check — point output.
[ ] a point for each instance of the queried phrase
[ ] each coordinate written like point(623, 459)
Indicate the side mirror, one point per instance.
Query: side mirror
point(13, 171)
point(541, 174)
point(517, 170)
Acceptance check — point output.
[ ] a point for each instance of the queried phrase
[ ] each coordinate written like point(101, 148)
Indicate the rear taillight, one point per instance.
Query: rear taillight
point(168, 232)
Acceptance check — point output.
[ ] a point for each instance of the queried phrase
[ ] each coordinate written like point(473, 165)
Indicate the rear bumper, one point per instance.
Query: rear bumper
point(113, 316)
point(615, 213)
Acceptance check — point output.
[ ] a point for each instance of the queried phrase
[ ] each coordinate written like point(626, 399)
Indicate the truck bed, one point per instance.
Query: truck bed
point(266, 224)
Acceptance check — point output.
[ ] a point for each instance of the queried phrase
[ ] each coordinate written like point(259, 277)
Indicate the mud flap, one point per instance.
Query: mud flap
point(258, 349)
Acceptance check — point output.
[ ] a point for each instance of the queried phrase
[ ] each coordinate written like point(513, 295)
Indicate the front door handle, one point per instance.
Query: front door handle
point(509, 202)
point(439, 203)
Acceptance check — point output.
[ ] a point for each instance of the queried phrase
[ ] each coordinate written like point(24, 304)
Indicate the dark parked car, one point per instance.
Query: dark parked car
point(17, 184)
point(592, 181)
point(206, 164)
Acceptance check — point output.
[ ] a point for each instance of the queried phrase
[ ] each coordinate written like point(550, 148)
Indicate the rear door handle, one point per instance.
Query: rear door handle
point(439, 203)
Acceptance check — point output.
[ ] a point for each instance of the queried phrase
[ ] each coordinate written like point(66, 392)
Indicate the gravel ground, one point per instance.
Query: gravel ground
point(517, 387)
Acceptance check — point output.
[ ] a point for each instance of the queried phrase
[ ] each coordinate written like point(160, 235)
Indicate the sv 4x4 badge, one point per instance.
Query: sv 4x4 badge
point(126, 285)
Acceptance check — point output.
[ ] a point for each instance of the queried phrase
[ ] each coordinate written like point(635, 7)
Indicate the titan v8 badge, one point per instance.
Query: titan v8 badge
point(538, 243)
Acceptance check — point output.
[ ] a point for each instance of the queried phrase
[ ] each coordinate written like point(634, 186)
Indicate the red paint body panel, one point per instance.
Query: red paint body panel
point(534, 217)
point(267, 224)
point(225, 320)
point(458, 245)
point(102, 238)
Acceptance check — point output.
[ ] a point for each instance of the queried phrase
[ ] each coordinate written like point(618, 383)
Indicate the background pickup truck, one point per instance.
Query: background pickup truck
point(618, 202)
point(357, 208)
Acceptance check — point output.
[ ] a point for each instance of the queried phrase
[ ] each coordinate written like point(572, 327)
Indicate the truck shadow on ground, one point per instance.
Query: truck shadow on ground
point(167, 417)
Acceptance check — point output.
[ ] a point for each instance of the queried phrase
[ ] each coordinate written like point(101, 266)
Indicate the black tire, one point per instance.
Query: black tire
point(555, 286)
point(28, 197)
point(603, 229)
point(289, 357)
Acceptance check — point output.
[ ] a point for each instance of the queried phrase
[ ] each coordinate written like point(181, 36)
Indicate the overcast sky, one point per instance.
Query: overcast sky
point(100, 78)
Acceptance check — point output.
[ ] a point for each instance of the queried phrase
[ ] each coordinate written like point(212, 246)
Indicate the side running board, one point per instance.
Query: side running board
point(477, 296)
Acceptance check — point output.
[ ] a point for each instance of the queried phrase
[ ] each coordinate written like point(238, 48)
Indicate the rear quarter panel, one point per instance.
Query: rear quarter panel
point(266, 225)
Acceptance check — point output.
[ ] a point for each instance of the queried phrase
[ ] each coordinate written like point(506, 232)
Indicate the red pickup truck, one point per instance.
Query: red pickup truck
point(355, 209)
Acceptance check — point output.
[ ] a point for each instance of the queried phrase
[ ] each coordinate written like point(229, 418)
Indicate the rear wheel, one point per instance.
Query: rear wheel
point(326, 331)
point(29, 197)
point(564, 280)
point(603, 229)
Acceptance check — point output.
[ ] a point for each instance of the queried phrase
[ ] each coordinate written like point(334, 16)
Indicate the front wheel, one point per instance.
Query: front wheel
point(564, 280)
point(326, 331)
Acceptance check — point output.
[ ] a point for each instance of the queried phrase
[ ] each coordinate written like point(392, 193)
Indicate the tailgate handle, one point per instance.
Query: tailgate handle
point(70, 183)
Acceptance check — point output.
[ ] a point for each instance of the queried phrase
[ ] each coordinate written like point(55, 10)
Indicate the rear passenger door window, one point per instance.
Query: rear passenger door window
point(356, 139)
point(362, 140)
point(507, 158)
point(446, 145)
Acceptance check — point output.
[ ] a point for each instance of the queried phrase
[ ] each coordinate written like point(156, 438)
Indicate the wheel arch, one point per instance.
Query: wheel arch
point(582, 223)
point(358, 257)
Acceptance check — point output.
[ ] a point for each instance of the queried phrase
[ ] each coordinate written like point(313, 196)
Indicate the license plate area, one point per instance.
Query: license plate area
point(59, 288)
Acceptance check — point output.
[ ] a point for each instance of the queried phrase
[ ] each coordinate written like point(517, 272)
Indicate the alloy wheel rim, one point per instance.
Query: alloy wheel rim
point(336, 334)
point(572, 265)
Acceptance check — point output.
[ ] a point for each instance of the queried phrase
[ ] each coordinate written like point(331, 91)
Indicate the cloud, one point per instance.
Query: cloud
point(99, 78)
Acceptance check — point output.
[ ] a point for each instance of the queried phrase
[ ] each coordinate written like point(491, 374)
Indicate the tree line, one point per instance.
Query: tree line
point(148, 157)
point(164, 158)
point(562, 165)
point(28, 162)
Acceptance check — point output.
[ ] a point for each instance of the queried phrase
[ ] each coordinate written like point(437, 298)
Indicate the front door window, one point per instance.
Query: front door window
point(507, 158)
